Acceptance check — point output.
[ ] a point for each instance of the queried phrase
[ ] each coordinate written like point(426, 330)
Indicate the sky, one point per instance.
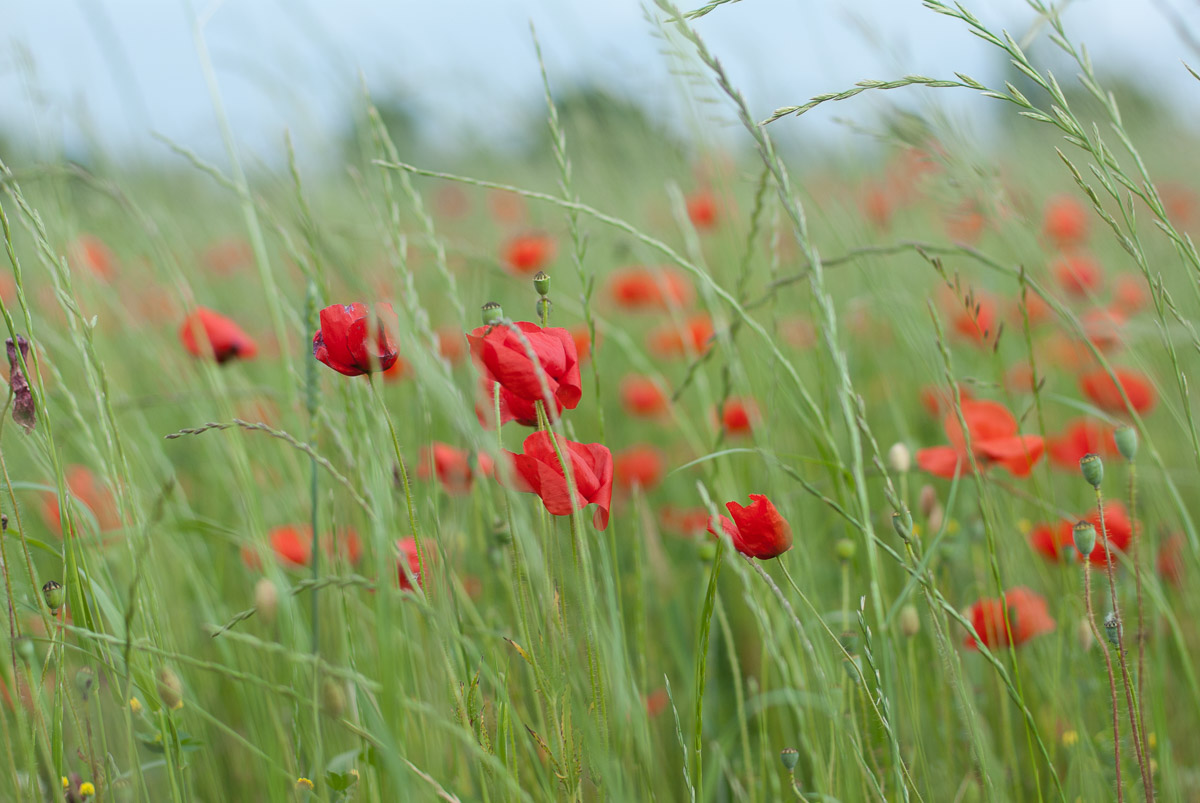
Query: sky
point(122, 71)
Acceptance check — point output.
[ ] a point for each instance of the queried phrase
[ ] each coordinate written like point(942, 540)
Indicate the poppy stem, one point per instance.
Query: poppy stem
point(1129, 701)
point(1112, 683)
point(1141, 631)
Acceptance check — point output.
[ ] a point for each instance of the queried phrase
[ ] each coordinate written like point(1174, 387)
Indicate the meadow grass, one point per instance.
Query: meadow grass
point(524, 656)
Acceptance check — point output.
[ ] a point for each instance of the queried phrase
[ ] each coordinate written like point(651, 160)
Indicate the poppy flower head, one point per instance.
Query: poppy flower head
point(641, 466)
point(1103, 392)
point(670, 340)
point(206, 333)
point(739, 416)
point(757, 530)
point(645, 288)
point(702, 209)
point(1129, 294)
point(526, 254)
point(539, 471)
point(642, 397)
point(583, 341)
point(974, 317)
point(1078, 274)
point(344, 341)
point(1022, 615)
point(408, 556)
point(292, 545)
point(453, 467)
point(502, 356)
point(1081, 437)
point(1065, 221)
point(994, 440)
point(1117, 527)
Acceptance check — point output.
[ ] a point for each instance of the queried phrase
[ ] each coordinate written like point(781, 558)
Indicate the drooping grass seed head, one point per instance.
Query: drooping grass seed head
point(1127, 442)
point(1092, 468)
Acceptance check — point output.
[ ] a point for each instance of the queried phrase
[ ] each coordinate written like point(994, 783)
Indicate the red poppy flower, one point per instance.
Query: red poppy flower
point(876, 205)
point(1050, 540)
point(937, 399)
point(228, 256)
point(344, 343)
point(1036, 308)
point(400, 369)
point(702, 209)
point(583, 341)
point(526, 254)
point(1019, 378)
point(994, 440)
point(1078, 274)
point(502, 356)
point(538, 471)
point(1081, 437)
point(978, 322)
point(1129, 294)
point(641, 396)
point(410, 556)
point(661, 288)
point(739, 416)
point(1023, 612)
point(91, 252)
point(1105, 394)
point(757, 531)
point(292, 545)
point(83, 485)
point(1065, 221)
point(512, 407)
point(657, 702)
point(1169, 561)
point(684, 521)
point(453, 467)
point(210, 334)
point(670, 340)
point(640, 465)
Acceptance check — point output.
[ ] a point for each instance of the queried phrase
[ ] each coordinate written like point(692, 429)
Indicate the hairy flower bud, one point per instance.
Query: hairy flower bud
point(1084, 533)
point(1127, 442)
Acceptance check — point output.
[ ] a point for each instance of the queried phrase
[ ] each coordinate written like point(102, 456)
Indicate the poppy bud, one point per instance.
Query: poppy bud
point(1112, 628)
point(900, 458)
point(707, 552)
point(910, 621)
point(541, 283)
point(1093, 469)
point(1127, 442)
point(1084, 533)
point(789, 756)
point(492, 313)
point(26, 650)
point(170, 689)
point(543, 308)
point(333, 698)
point(927, 502)
point(266, 600)
point(53, 592)
point(845, 549)
point(937, 517)
point(84, 679)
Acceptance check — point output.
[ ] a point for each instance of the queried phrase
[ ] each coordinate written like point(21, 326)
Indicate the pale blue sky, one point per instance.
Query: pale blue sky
point(133, 64)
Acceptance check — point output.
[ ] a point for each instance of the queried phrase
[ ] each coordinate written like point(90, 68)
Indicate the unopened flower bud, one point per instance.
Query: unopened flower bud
point(266, 600)
point(910, 620)
point(899, 458)
point(937, 518)
point(1112, 628)
point(1127, 442)
point(789, 756)
point(170, 689)
point(543, 307)
point(927, 502)
point(1084, 533)
point(541, 283)
point(845, 549)
point(26, 650)
point(707, 552)
point(492, 313)
point(1093, 469)
point(54, 594)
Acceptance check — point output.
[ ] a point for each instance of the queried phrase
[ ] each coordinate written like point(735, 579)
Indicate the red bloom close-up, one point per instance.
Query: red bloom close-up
point(757, 530)
point(975, 319)
point(641, 396)
point(1081, 437)
point(453, 467)
point(512, 407)
point(739, 416)
point(538, 471)
point(206, 333)
point(344, 341)
point(702, 209)
point(292, 545)
point(1065, 221)
point(694, 336)
point(502, 356)
point(1100, 389)
point(410, 556)
point(994, 440)
point(526, 254)
point(1021, 616)
point(1078, 274)
point(937, 399)
point(646, 288)
point(640, 465)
